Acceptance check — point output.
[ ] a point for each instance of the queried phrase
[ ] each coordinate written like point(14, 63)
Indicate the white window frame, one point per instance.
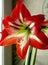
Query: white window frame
point(1, 48)
point(5, 52)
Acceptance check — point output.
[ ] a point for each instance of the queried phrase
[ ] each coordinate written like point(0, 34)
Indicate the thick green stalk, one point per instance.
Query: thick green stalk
point(33, 56)
point(28, 56)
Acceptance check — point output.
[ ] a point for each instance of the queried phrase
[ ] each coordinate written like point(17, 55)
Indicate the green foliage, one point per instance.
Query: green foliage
point(15, 59)
point(45, 30)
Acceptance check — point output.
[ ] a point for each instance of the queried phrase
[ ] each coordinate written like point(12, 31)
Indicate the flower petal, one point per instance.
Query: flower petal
point(45, 23)
point(21, 48)
point(24, 12)
point(39, 41)
point(9, 41)
point(21, 52)
point(15, 12)
point(6, 21)
point(3, 34)
point(9, 25)
point(21, 12)
point(38, 18)
point(6, 40)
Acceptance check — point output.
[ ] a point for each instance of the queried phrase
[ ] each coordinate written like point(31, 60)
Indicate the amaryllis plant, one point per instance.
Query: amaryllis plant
point(24, 30)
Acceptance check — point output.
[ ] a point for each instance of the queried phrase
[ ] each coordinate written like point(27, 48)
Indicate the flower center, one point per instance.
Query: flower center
point(24, 28)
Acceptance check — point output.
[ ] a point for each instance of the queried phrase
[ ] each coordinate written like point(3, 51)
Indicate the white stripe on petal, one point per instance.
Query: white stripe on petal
point(35, 37)
point(23, 42)
point(16, 35)
point(31, 25)
point(21, 17)
point(10, 23)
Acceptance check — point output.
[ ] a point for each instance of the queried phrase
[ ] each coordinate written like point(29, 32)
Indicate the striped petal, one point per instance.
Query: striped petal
point(21, 48)
point(39, 41)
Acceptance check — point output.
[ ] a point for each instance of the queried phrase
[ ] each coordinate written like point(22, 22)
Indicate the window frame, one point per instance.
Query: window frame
point(5, 52)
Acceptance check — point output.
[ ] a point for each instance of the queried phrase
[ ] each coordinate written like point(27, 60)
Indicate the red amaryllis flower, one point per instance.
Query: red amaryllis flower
point(38, 38)
point(23, 30)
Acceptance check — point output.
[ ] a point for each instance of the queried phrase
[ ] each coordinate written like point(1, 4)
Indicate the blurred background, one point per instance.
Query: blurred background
point(9, 56)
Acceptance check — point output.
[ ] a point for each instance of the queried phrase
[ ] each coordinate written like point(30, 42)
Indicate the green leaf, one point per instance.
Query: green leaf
point(45, 30)
point(18, 61)
point(15, 59)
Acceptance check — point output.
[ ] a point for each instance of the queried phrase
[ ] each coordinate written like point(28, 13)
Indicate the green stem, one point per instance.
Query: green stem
point(27, 60)
point(33, 56)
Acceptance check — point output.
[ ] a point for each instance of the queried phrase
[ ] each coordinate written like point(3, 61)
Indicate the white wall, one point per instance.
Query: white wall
point(34, 6)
